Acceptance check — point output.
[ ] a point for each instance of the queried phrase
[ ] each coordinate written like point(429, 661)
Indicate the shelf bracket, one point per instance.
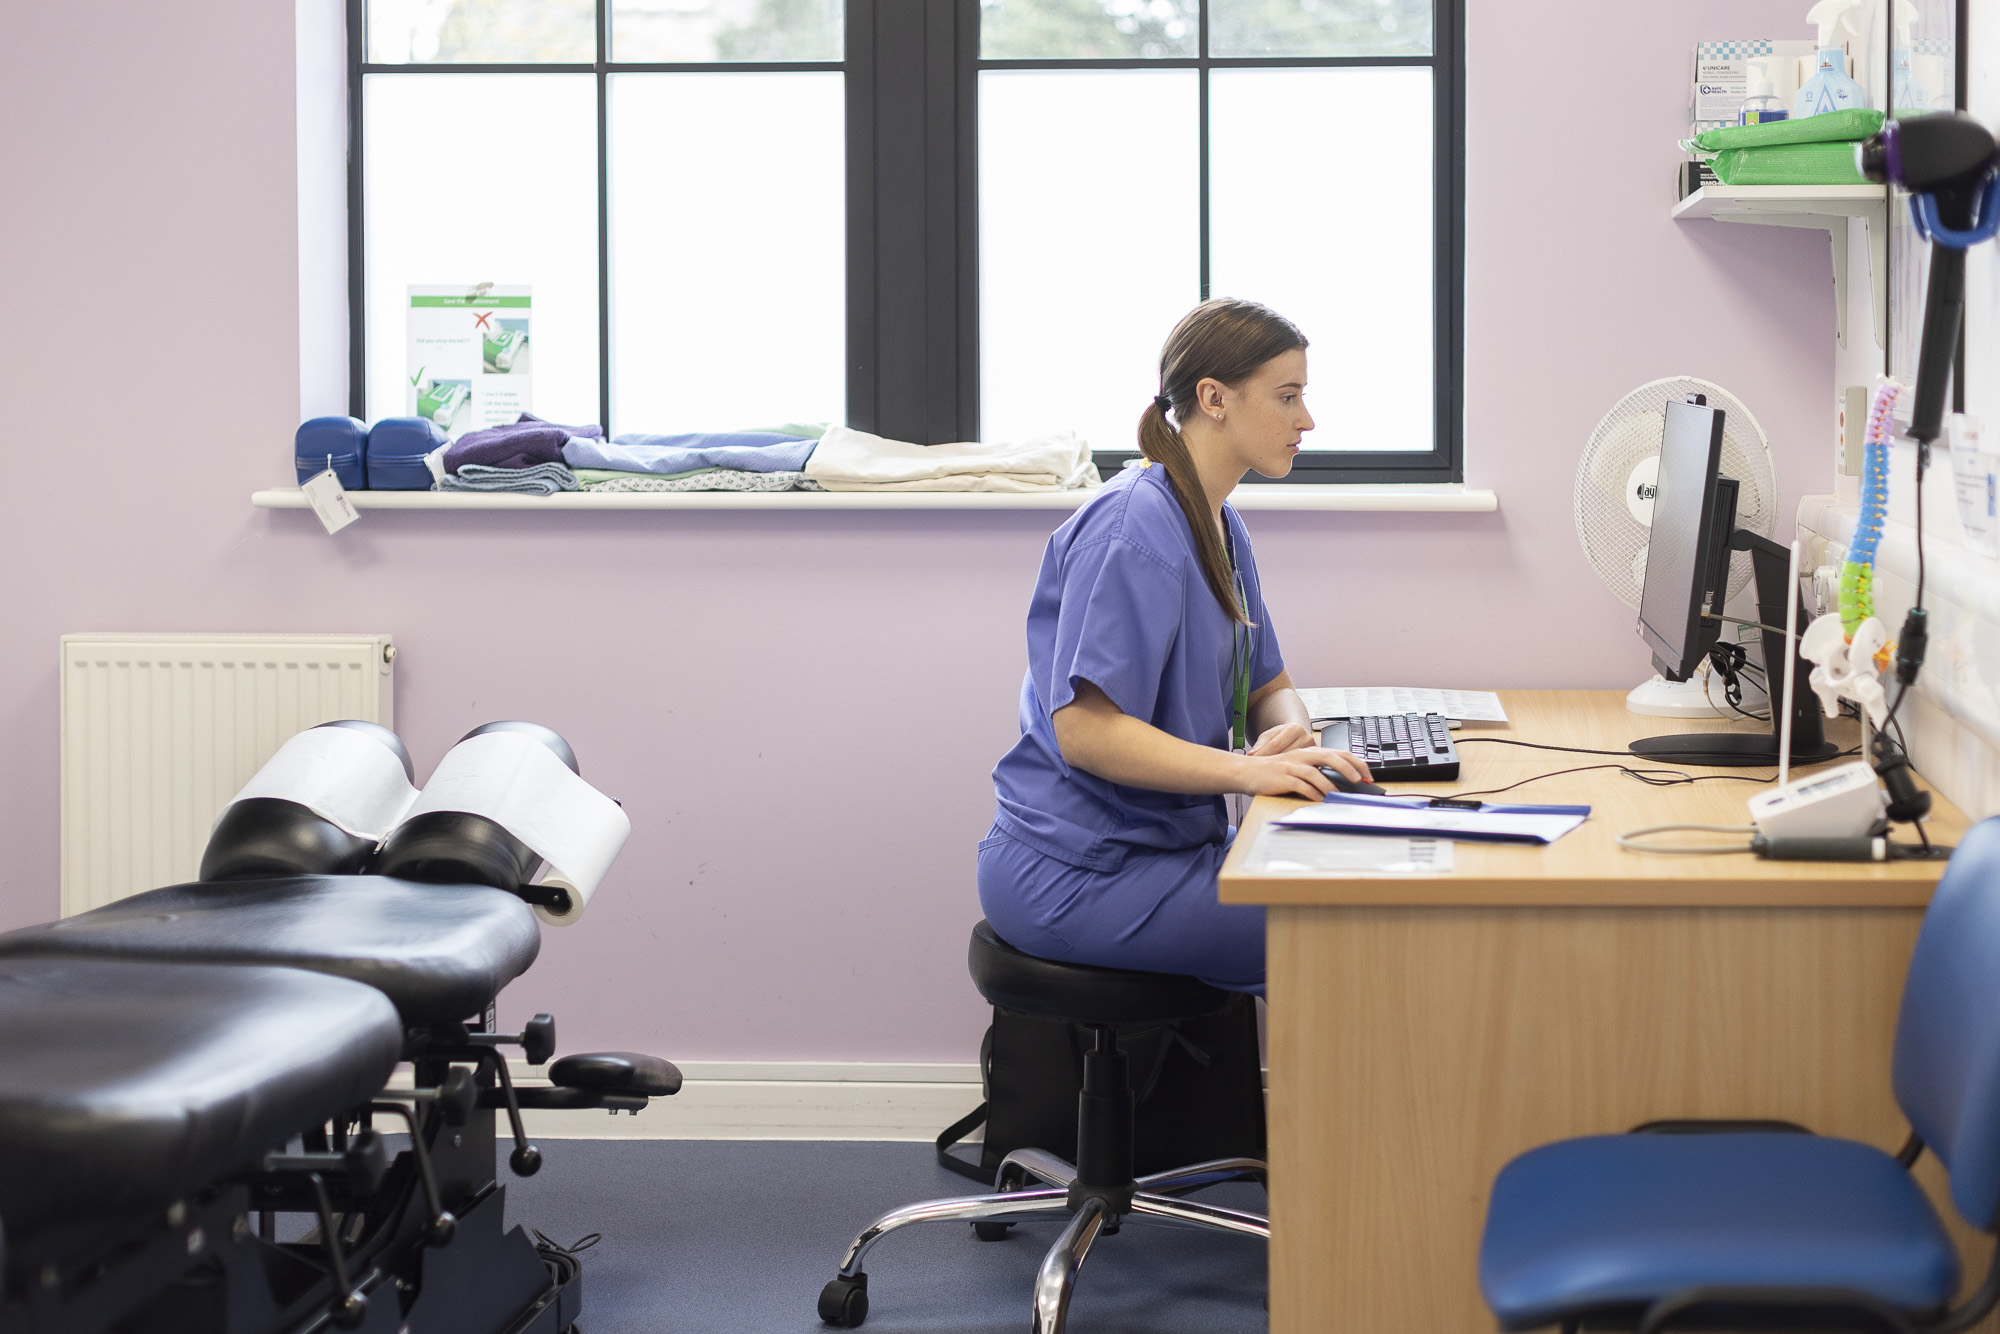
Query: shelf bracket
point(1874, 217)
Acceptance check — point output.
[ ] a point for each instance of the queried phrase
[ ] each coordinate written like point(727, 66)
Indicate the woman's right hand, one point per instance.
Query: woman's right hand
point(1296, 773)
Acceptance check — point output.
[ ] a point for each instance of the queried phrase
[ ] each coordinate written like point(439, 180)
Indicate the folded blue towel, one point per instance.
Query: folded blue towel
point(544, 479)
point(746, 451)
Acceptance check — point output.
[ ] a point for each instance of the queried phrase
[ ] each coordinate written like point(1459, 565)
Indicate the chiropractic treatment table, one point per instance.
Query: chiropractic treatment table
point(182, 1067)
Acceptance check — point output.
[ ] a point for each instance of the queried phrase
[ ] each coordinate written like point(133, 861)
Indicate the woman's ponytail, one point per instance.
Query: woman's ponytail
point(1161, 443)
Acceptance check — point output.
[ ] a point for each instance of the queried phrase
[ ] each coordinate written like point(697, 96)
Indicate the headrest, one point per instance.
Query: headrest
point(547, 736)
point(383, 735)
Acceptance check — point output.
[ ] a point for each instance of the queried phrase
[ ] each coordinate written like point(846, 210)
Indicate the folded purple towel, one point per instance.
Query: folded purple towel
point(524, 444)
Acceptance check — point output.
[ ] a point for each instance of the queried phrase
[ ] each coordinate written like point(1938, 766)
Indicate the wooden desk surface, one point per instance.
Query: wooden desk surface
point(1586, 866)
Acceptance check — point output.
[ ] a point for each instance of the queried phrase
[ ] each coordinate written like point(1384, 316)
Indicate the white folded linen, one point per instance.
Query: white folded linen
point(849, 460)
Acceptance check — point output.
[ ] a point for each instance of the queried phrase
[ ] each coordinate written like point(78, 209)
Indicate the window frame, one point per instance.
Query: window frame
point(911, 70)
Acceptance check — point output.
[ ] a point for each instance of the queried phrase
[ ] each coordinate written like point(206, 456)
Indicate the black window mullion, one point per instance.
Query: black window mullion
point(1448, 231)
point(863, 402)
point(603, 218)
point(1201, 135)
point(357, 286)
point(912, 331)
point(965, 172)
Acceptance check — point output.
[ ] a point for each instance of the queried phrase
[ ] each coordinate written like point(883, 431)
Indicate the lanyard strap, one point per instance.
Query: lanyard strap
point(1239, 641)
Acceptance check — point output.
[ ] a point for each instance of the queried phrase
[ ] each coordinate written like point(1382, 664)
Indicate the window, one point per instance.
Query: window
point(1139, 155)
point(935, 219)
point(665, 177)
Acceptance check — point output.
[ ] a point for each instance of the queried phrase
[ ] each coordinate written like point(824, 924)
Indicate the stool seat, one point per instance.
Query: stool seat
point(1083, 993)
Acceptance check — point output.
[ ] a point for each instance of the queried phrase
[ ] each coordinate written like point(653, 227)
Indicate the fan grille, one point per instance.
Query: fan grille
point(1613, 540)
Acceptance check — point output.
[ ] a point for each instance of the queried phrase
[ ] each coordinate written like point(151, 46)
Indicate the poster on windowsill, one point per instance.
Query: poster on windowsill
point(469, 355)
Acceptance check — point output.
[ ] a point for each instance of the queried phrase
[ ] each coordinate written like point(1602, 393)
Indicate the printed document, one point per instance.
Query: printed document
point(1472, 706)
point(1281, 851)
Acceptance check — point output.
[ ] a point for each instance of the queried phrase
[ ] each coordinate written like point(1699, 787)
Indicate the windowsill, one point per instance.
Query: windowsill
point(1435, 498)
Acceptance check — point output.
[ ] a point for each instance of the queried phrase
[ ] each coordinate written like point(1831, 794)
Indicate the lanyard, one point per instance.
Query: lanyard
point(1239, 642)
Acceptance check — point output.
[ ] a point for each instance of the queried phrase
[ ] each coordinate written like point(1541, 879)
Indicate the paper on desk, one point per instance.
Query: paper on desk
point(1371, 817)
point(1473, 706)
point(1281, 851)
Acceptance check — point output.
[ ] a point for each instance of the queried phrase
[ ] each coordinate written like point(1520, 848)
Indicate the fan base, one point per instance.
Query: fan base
point(1661, 698)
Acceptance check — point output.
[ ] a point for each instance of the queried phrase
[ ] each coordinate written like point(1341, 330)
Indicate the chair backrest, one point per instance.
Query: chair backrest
point(1947, 1066)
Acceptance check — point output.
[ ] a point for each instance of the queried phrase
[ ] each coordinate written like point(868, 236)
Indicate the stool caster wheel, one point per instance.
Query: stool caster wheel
point(991, 1231)
point(843, 1303)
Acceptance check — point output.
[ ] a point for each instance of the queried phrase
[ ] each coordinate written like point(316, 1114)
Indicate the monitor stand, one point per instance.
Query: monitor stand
point(1739, 750)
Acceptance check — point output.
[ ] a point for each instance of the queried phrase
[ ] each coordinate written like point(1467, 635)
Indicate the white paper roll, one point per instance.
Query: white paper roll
point(339, 774)
point(519, 784)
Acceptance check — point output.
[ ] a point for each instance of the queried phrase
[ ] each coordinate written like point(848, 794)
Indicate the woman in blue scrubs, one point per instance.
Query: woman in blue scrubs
point(1155, 685)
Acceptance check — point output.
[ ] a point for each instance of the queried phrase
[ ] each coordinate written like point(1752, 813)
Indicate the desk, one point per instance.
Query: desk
point(1423, 1031)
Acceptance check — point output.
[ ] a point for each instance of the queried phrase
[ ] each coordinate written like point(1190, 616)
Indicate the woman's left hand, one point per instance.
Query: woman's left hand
point(1283, 737)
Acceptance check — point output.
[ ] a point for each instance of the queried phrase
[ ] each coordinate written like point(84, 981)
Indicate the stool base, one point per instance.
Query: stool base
point(844, 1301)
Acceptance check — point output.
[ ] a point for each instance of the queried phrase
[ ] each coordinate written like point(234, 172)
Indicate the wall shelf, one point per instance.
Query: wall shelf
point(1429, 498)
point(1824, 208)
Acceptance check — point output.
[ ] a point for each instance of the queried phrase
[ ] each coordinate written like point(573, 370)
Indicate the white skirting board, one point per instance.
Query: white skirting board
point(781, 1100)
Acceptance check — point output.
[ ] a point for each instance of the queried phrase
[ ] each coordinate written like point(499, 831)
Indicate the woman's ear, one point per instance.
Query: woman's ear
point(1208, 394)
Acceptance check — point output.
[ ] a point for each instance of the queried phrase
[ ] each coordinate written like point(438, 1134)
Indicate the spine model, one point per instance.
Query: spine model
point(1857, 574)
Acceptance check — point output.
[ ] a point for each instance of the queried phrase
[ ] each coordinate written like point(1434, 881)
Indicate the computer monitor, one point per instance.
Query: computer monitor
point(1689, 512)
point(1687, 579)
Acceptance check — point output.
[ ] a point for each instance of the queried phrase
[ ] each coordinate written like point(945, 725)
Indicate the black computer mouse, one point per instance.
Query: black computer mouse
point(1346, 784)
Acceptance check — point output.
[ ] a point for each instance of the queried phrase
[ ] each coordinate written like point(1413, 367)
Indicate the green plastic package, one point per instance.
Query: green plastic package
point(1828, 127)
point(1790, 164)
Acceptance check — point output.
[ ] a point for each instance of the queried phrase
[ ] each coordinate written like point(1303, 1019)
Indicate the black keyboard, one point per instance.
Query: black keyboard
point(1398, 747)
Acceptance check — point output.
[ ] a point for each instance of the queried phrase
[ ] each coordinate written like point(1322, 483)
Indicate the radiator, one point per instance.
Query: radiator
point(159, 731)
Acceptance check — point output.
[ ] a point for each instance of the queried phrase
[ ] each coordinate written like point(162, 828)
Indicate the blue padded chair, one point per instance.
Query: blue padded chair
point(1727, 1222)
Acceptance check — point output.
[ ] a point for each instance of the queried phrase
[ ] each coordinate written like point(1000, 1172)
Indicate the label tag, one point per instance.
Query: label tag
point(1976, 475)
point(1719, 88)
point(329, 501)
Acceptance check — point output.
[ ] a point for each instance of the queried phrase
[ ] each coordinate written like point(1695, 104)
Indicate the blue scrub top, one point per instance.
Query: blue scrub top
point(1121, 602)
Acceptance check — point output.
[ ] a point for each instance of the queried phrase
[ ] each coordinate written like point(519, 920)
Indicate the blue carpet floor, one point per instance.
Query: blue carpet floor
point(737, 1237)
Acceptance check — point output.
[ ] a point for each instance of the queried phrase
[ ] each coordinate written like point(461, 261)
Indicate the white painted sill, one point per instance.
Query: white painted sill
point(1434, 498)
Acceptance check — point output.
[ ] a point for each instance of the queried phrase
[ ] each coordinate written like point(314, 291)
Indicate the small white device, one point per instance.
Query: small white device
point(1838, 803)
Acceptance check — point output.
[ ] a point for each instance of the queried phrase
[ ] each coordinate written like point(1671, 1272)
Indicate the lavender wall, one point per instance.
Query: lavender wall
point(798, 711)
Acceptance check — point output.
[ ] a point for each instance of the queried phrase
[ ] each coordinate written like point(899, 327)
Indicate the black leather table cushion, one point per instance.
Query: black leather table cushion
point(125, 1086)
point(439, 952)
point(1082, 993)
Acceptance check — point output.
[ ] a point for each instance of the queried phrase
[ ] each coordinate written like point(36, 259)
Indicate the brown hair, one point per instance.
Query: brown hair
point(1218, 340)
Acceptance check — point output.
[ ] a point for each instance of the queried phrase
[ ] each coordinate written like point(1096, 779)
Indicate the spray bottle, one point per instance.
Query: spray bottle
point(1829, 89)
point(1908, 93)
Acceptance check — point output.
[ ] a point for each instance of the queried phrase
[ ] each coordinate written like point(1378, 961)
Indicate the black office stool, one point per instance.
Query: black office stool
point(1098, 1190)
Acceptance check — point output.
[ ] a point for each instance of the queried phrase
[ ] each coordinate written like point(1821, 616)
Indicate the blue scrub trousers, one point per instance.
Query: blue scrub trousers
point(1158, 912)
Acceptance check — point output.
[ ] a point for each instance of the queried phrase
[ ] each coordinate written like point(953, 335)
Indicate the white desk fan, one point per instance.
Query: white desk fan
point(1613, 507)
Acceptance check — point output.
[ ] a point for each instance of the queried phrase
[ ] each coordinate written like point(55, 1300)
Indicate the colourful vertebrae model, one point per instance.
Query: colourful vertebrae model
point(1857, 574)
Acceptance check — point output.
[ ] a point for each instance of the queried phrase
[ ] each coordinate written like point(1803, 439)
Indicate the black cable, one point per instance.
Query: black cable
point(1579, 750)
point(1536, 745)
point(1894, 705)
point(1923, 466)
point(1748, 716)
point(1650, 777)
